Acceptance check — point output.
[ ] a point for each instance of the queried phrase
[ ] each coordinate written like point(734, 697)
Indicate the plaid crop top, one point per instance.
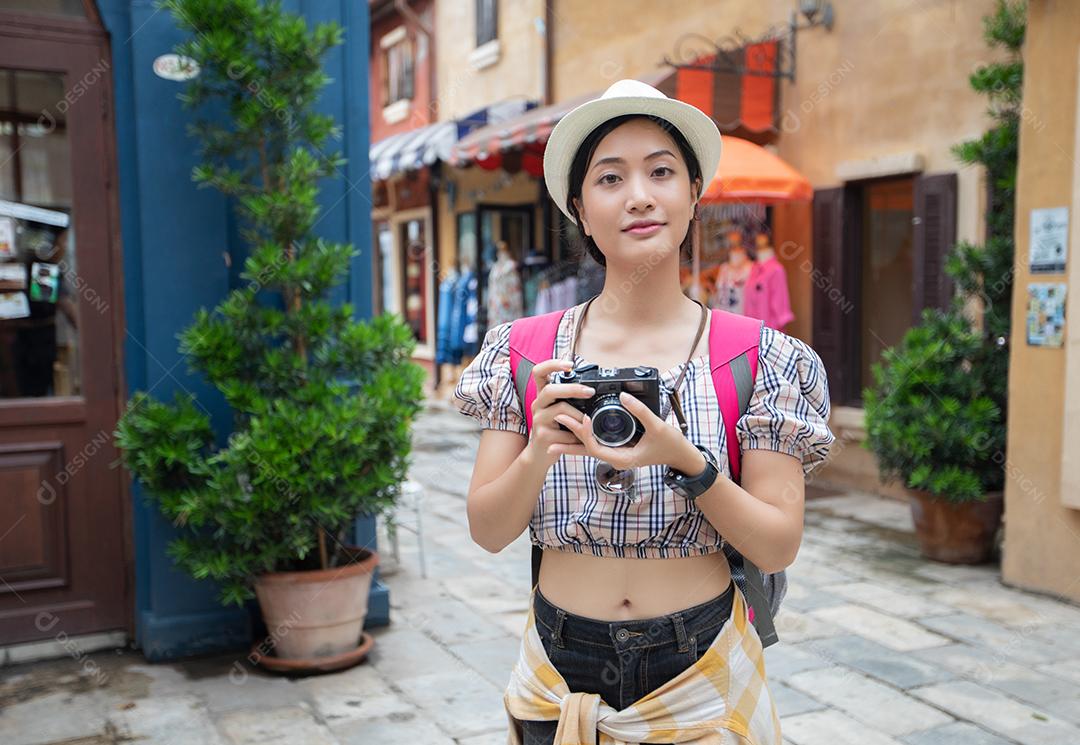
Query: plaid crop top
point(788, 412)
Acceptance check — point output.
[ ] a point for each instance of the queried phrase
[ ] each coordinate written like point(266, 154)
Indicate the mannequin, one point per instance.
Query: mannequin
point(766, 294)
point(505, 299)
point(763, 250)
point(732, 276)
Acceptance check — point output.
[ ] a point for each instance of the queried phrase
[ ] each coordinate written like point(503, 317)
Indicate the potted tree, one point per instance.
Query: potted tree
point(936, 422)
point(323, 403)
point(936, 414)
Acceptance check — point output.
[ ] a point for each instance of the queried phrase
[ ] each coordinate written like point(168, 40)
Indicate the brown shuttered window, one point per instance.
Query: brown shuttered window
point(879, 260)
point(832, 307)
point(935, 235)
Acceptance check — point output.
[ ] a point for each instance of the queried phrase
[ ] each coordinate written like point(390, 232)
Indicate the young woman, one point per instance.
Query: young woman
point(634, 586)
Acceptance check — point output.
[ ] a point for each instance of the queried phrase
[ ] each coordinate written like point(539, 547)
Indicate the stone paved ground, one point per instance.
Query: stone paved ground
point(879, 647)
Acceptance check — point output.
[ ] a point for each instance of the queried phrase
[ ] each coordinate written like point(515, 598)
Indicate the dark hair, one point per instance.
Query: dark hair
point(584, 155)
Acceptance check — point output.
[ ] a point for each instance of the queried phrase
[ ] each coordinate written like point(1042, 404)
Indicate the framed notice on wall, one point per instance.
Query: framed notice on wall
point(1046, 314)
point(1049, 240)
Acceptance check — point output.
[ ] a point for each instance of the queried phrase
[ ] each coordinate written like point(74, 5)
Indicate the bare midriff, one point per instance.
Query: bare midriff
point(617, 589)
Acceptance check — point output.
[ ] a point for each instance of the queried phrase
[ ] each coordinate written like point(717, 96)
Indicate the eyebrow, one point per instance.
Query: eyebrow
point(616, 159)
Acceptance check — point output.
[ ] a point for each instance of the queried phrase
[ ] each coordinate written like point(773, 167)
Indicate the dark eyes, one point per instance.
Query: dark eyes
point(655, 170)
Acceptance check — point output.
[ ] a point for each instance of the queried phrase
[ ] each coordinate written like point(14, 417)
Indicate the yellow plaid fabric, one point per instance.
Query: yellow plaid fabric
point(722, 699)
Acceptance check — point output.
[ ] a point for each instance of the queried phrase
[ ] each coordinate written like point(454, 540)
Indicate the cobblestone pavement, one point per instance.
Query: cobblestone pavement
point(878, 647)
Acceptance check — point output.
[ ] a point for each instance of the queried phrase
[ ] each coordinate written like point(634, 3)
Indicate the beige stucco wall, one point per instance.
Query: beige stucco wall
point(517, 73)
point(1042, 536)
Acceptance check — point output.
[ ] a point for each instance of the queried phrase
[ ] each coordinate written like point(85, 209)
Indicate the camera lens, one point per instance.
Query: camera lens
point(613, 425)
point(611, 422)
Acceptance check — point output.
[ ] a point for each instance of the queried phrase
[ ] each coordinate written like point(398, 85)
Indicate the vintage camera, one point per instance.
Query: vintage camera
point(612, 424)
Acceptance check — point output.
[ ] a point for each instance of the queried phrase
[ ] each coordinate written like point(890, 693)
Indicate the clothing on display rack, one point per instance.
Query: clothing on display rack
point(557, 289)
point(532, 288)
point(470, 333)
point(730, 288)
point(458, 319)
point(443, 351)
point(767, 294)
point(725, 228)
point(505, 301)
point(532, 271)
point(590, 276)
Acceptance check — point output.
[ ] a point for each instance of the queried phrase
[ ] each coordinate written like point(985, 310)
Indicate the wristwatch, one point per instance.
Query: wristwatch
point(691, 487)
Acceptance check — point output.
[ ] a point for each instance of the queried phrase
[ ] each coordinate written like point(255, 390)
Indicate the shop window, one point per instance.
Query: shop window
point(399, 68)
point(501, 223)
point(879, 256)
point(486, 21)
point(722, 227)
point(515, 231)
point(40, 286)
point(467, 254)
point(414, 269)
point(384, 267)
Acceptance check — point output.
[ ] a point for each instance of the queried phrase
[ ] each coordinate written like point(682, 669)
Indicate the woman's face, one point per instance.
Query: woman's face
point(636, 174)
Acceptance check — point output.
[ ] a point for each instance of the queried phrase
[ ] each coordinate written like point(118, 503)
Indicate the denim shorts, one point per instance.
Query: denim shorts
point(622, 660)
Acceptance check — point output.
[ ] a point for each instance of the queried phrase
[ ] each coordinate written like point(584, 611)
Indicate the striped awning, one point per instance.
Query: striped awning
point(411, 150)
point(532, 128)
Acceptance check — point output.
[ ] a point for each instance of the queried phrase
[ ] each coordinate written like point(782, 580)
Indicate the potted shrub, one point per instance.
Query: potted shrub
point(937, 424)
point(936, 414)
point(322, 403)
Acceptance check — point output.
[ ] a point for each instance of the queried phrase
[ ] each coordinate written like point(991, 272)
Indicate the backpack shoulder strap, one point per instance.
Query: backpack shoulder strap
point(733, 357)
point(532, 340)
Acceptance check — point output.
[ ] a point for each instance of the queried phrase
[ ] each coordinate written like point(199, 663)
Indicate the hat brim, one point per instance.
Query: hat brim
point(700, 132)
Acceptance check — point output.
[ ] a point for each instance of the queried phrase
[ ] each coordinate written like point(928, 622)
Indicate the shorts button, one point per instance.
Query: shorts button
point(622, 635)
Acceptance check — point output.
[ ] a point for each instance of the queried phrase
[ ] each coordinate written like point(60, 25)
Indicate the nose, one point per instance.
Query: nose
point(638, 196)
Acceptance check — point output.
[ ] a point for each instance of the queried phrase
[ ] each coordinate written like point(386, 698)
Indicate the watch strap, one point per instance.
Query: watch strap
point(699, 482)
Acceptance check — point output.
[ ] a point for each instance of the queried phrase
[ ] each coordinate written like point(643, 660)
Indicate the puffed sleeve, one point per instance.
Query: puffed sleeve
point(789, 409)
point(485, 390)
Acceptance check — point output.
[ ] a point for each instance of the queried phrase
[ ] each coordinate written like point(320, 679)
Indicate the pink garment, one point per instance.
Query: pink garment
point(766, 294)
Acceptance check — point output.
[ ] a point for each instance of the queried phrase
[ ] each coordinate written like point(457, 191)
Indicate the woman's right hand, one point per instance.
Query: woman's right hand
point(545, 430)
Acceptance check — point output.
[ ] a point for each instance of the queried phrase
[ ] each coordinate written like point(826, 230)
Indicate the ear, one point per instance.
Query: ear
point(581, 216)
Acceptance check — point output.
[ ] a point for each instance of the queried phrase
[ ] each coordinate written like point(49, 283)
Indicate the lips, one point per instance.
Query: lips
point(642, 226)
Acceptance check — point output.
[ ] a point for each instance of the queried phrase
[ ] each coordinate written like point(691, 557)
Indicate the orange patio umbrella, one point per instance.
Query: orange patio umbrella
point(750, 173)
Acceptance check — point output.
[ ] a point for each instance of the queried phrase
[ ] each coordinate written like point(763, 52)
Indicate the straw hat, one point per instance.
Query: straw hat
point(626, 97)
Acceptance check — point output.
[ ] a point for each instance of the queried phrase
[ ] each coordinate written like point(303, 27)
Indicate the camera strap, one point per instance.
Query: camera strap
point(673, 394)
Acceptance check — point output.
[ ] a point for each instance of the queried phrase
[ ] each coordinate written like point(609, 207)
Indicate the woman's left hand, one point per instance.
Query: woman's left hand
point(662, 443)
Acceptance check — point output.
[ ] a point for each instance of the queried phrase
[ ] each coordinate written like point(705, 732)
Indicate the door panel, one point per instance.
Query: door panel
point(934, 238)
point(64, 537)
point(828, 315)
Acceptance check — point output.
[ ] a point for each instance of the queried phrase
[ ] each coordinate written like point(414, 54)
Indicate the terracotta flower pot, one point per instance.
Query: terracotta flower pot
point(956, 533)
point(319, 613)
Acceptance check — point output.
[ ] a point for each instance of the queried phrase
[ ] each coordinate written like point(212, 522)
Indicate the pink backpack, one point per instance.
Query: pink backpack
point(733, 357)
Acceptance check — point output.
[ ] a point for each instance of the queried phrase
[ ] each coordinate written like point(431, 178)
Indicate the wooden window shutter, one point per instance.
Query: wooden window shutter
point(833, 311)
point(934, 237)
